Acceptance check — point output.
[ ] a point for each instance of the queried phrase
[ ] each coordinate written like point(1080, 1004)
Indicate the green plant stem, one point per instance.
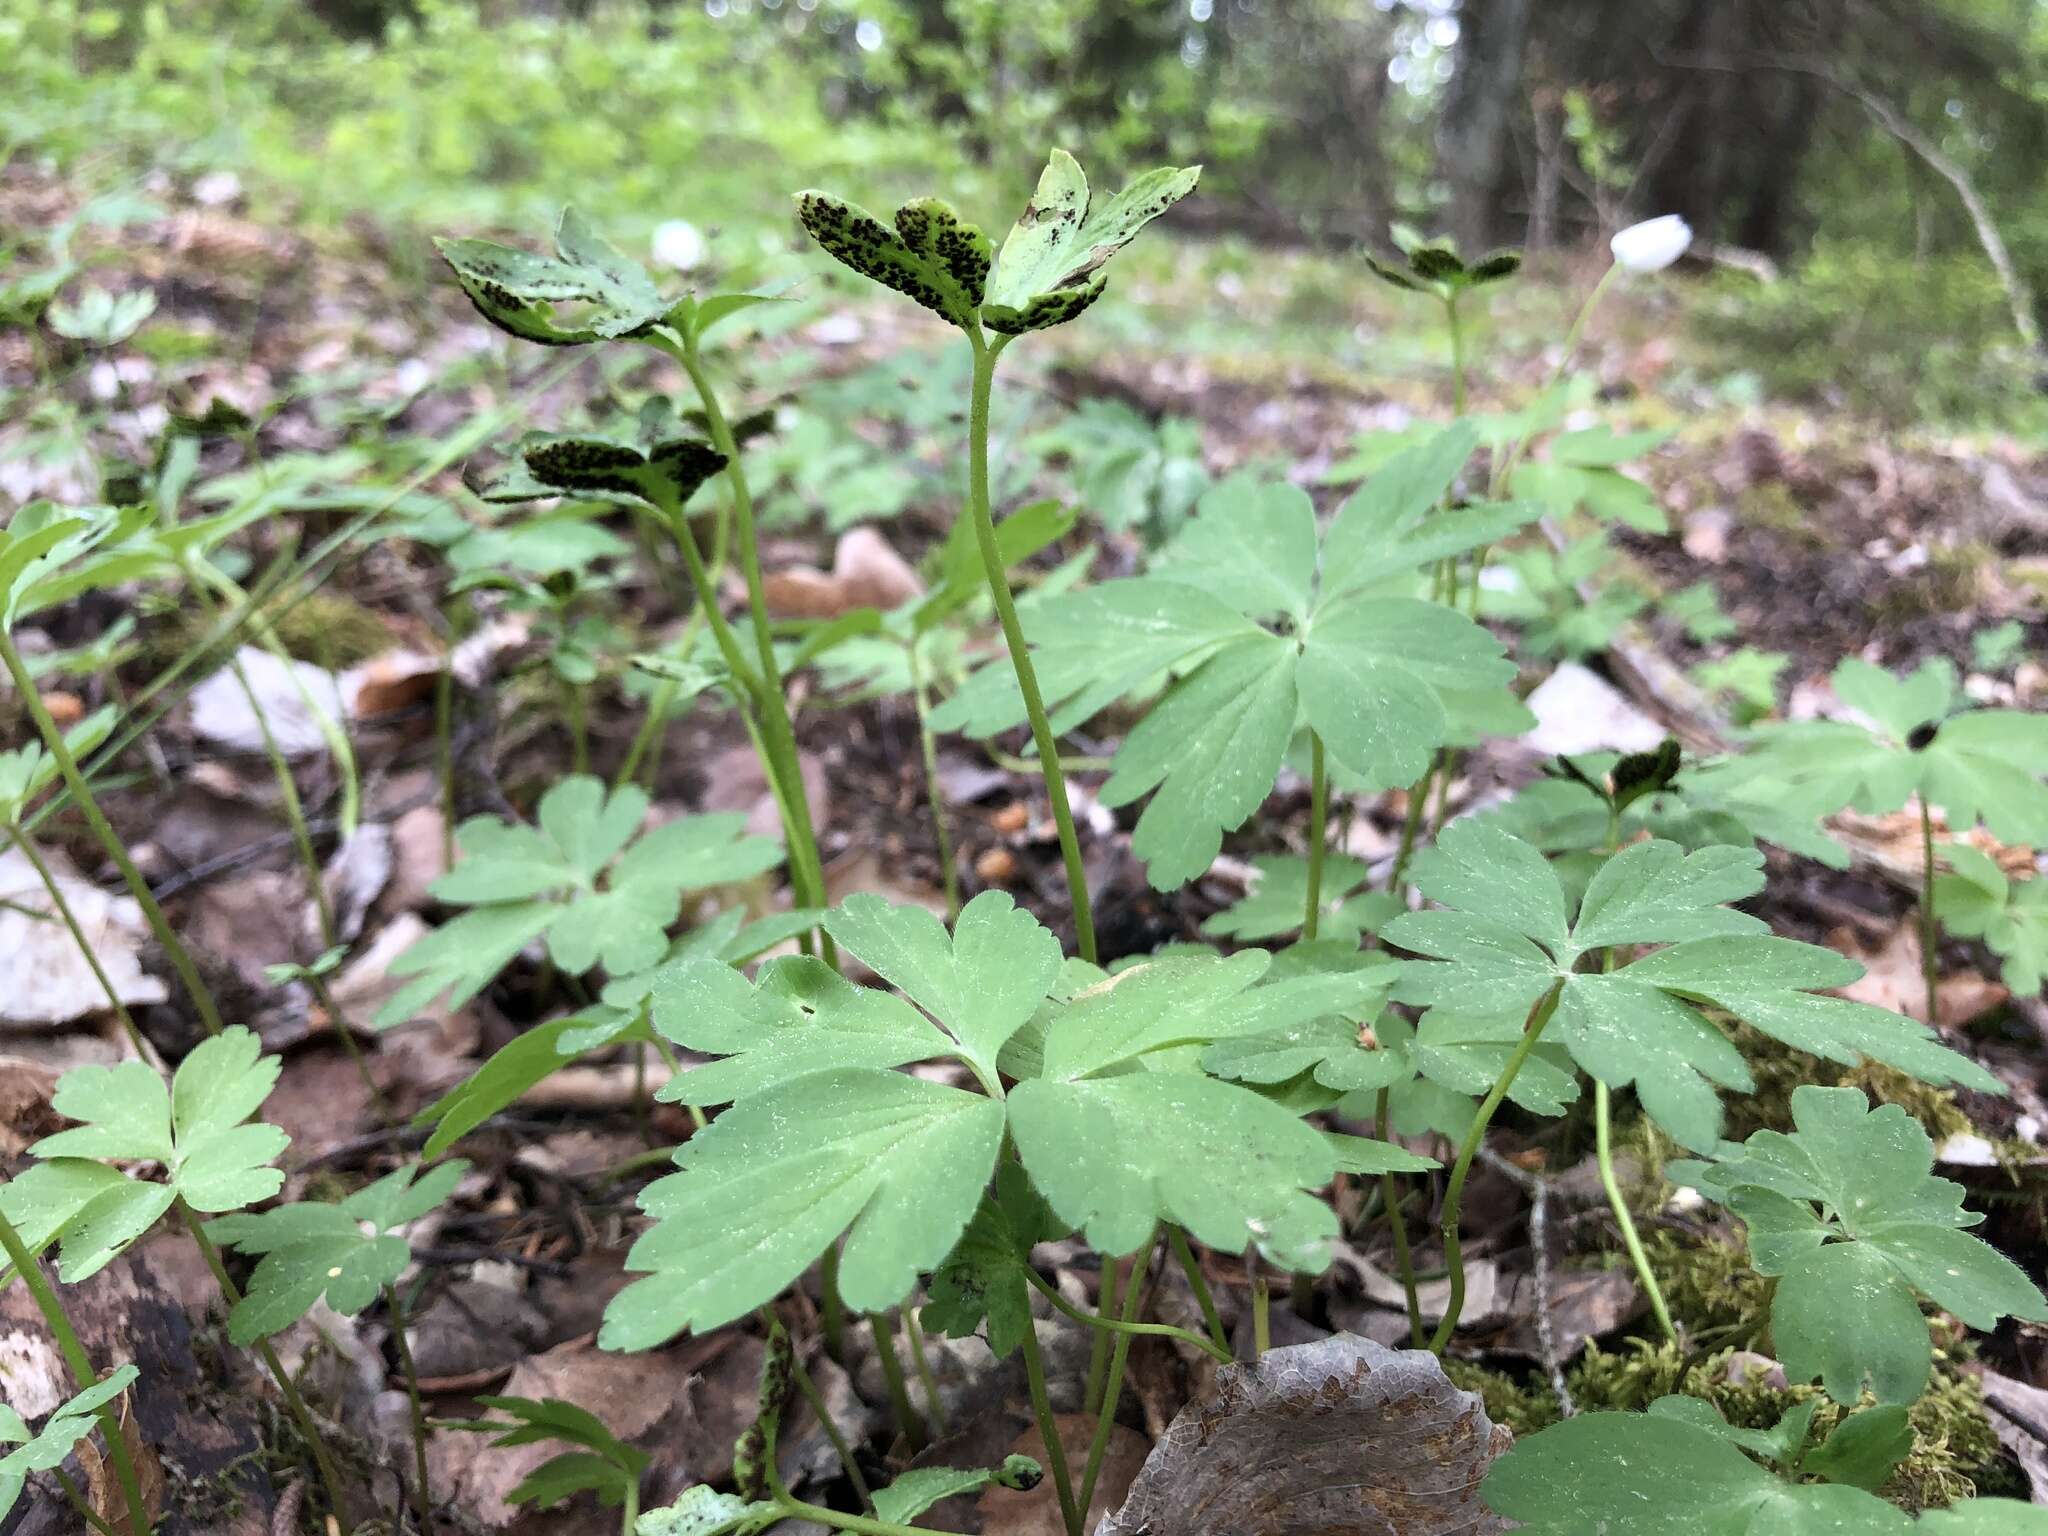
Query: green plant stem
point(1048, 1429)
point(1457, 354)
point(809, 1388)
point(338, 1022)
point(79, 1364)
point(1098, 1352)
point(1119, 1353)
point(323, 1459)
point(907, 1419)
point(928, 747)
point(1390, 1197)
point(444, 753)
point(1411, 825)
point(985, 355)
point(423, 1495)
point(780, 734)
point(831, 1309)
point(914, 1335)
point(1318, 832)
point(20, 838)
point(629, 1506)
point(1454, 1193)
point(579, 727)
point(1262, 1305)
point(74, 781)
point(1199, 1284)
point(796, 1509)
point(1930, 928)
point(1631, 1240)
point(1504, 464)
point(78, 1501)
point(288, 797)
point(1218, 1351)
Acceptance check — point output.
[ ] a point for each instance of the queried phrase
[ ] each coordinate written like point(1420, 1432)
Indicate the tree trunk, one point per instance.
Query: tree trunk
point(1475, 142)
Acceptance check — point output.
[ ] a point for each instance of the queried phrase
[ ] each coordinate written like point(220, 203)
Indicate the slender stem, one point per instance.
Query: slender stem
point(20, 838)
point(1454, 1194)
point(1390, 1197)
point(907, 1419)
point(338, 1022)
point(77, 1499)
point(832, 1310)
point(1504, 464)
point(1048, 1429)
point(928, 746)
point(1318, 832)
point(1418, 801)
point(423, 1495)
point(985, 356)
point(783, 760)
point(79, 1364)
point(1262, 1305)
point(629, 1513)
point(444, 753)
point(1119, 1352)
point(288, 797)
point(809, 1388)
point(1604, 1151)
point(110, 841)
point(1199, 1284)
point(914, 1335)
point(1930, 929)
point(579, 728)
point(1220, 1352)
point(797, 1509)
point(1457, 354)
point(294, 1404)
point(1098, 1352)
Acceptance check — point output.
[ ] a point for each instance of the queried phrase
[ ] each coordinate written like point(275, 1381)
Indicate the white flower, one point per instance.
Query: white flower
point(678, 244)
point(1652, 245)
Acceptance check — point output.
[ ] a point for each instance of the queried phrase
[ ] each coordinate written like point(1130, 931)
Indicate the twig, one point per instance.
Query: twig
point(1538, 1190)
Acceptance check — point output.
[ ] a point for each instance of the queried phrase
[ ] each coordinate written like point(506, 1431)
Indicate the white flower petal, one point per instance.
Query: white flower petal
point(1652, 245)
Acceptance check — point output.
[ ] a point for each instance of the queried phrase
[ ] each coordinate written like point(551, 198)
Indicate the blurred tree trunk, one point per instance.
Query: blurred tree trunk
point(1475, 137)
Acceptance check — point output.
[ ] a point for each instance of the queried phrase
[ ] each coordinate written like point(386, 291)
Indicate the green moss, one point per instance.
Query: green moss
point(1709, 1286)
point(1778, 1070)
point(1771, 504)
point(1524, 1407)
point(331, 630)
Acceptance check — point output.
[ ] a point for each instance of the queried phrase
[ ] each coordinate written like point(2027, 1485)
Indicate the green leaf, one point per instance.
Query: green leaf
point(1886, 1230)
point(2011, 917)
point(1048, 270)
point(896, 1163)
point(347, 1252)
point(1781, 1444)
point(512, 1069)
point(982, 984)
point(1983, 764)
point(918, 1490)
point(605, 1465)
point(666, 474)
point(1655, 1475)
point(1865, 1448)
point(1985, 1517)
point(518, 291)
point(600, 894)
point(67, 1425)
point(1508, 939)
point(704, 1511)
point(98, 1211)
point(983, 1277)
point(1115, 1156)
point(930, 256)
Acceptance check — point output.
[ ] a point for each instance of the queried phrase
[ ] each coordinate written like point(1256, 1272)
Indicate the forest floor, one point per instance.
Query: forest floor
point(1819, 537)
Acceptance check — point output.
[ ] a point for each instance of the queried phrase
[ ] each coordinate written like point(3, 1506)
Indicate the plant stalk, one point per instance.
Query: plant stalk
point(1454, 1194)
point(110, 841)
point(302, 1416)
point(1262, 1305)
point(1930, 927)
point(1631, 1240)
point(985, 355)
point(1199, 1284)
point(1318, 833)
point(1119, 1352)
point(907, 1418)
point(929, 748)
point(1390, 1197)
point(1049, 1430)
point(1218, 1352)
point(913, 1334)
point(79, 1364)
point(423, 1495)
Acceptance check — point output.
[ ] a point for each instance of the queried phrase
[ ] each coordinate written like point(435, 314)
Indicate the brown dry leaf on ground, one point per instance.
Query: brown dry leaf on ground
point(1893, 979)
point(866, 573)
point(283, 695)
point(49, 980)
point(735, 781)
point(1338, 1438)
point(1004, 1512)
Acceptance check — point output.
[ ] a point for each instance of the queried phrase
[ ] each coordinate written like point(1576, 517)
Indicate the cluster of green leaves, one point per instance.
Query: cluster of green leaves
point(1048, 271)
point(44, 1449)
point(1435, 267)
point(602, 1463)
point(1267, 624)
point(1886, 1232)
point(1110, 1112)
point(198, 1132)
point(584, 876)
point(1978, 901)
point(1507, 934)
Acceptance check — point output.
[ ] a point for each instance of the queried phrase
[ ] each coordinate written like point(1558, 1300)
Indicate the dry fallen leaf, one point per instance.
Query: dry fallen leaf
point(50, 980)
point(1005, 1512)
point(286, 693)
point(1341, 1437)
point(866, 573)
point(1892, 979)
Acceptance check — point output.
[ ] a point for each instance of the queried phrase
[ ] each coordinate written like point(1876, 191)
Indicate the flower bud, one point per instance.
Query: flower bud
point(1652, 245)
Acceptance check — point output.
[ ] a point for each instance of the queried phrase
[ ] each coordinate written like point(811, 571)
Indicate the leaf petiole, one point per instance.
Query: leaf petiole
point(1214, 1349)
